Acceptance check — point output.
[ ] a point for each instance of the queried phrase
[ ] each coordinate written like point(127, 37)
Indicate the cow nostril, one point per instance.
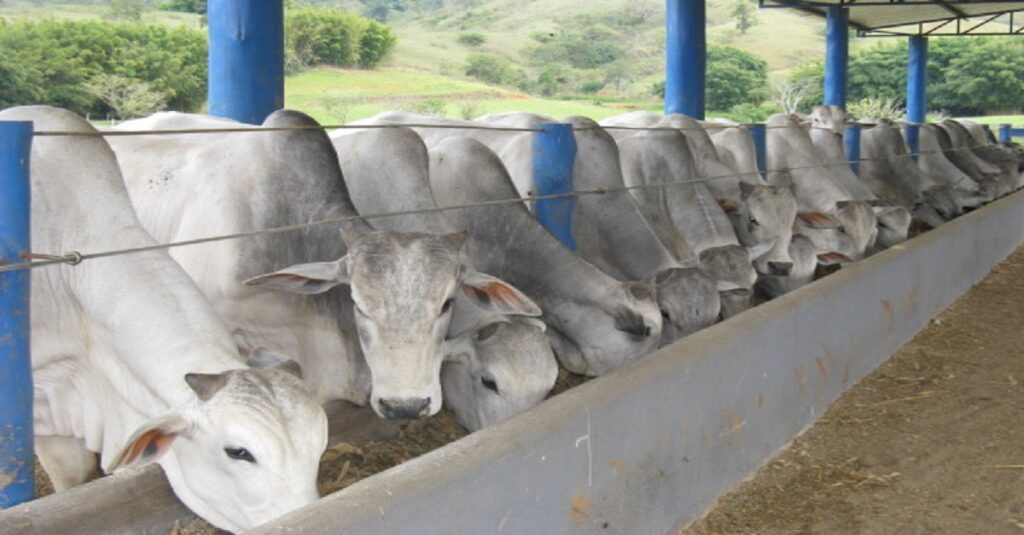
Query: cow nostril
point(780, 268)
point(404, 409)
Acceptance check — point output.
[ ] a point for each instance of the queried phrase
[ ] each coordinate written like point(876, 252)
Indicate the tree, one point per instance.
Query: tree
point(128, 98)
point(126, 9)
point(746, 16)
point(789, 96)
point(340, 105)
point(734, 77)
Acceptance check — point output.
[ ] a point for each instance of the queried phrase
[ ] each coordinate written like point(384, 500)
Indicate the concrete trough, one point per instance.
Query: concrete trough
point(644, 450)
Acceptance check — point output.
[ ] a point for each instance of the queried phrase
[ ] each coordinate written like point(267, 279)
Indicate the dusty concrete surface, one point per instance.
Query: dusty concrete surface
point(931, 442)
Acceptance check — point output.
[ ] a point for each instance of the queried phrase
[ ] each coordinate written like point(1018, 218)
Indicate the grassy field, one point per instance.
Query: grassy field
point(90, 12)
point(357, 94)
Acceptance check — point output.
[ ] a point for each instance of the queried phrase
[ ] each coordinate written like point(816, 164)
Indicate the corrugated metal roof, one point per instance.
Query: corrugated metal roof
point(925, 17)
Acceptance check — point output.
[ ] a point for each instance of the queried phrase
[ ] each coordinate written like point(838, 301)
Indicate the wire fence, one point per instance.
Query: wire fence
point(35, 260)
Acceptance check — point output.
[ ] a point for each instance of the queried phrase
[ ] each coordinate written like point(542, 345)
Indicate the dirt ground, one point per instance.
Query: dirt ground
point(931, 442)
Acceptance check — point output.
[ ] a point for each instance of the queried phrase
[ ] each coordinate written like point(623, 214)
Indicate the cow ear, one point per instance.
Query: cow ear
point(816, 220)
point(746, 190)
point(495, 295)
point(151, 442)
point(265, 358)
point(727, 205)
point(456, 239)
point(205, 385)
point(828, 259)
point(307, 279)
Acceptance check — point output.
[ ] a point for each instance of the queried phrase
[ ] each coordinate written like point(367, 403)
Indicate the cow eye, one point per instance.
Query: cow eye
point(841, 228)
point(239, 454)
point(753, 220)
point(489, 384)
point(446, 306)
point(666, 315)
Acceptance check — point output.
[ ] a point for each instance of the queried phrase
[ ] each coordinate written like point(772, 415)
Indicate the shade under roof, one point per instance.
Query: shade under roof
point(920, 17)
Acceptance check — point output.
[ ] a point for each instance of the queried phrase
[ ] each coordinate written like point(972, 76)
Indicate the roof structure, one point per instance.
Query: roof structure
point(888, 18)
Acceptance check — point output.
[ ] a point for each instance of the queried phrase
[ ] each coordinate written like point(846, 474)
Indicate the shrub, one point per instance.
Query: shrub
point(377, 42)
point(494, 70)
point(472, 39)
point(327, 36)
point(875, 108)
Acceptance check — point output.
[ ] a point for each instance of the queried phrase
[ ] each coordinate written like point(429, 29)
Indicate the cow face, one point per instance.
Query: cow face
point(831, 118)
point(805, 260)
point(843, 235)
point(763, 222)
point(689, 301)
point(607, 332)
point(730, 266)
point(403, 289)
point(497, 371)
point(245, 453)
point(893, 225)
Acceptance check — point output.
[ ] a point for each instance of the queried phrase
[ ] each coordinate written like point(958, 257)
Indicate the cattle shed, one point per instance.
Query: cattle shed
point(643, 450)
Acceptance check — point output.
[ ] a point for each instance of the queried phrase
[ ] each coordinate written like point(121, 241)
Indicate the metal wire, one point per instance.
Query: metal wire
point(74, 258)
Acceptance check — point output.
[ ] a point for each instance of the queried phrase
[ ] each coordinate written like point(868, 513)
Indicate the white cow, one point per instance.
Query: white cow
point(379, 335)
point(595, 323)
point(131, 363)
point(610, 231)
point(496, 366)
point(830, 216)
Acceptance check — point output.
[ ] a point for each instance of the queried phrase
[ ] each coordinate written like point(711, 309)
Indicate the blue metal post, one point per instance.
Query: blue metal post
point(851, 147)
point(17, 476)
point(685, 57)
point(837, 53)
point(1005, 133)
point(917, 81)
point(554, 154)
point(246, 58)
point(758, 132)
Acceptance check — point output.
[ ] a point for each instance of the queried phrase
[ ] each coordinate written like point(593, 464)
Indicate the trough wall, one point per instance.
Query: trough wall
point(649, 448)
point(644, 450)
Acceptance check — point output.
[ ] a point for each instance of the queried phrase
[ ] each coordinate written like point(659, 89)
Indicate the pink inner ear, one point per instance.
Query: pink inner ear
point(727, 205)
point(832, 258)
point(818, 219)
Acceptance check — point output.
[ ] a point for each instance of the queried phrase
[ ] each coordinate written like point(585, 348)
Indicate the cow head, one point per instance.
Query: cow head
point(763, 221)
point(611, 329)
point(403, 289)
point(688, 299)
point(843, 235)
point(245, 452)
point(497, 371)
point(829, 117)
point(730, 266)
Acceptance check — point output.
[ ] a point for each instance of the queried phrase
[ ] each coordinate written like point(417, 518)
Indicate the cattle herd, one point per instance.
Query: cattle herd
point(215, 359)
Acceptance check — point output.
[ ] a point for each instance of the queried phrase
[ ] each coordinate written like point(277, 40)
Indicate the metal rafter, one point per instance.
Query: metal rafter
point(964, 26)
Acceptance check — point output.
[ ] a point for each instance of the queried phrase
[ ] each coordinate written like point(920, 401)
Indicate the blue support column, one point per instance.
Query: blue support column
point(917, 82)
point(554, 155)
point(685, 57)
point(851, 147)
point(17, 476)
point(1005, 133)
point(246, 58)
point(837, 53)
point(758, 132)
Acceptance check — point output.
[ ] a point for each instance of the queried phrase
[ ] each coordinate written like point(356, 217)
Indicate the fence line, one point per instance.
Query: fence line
point(259, 129)
point(37, 260)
